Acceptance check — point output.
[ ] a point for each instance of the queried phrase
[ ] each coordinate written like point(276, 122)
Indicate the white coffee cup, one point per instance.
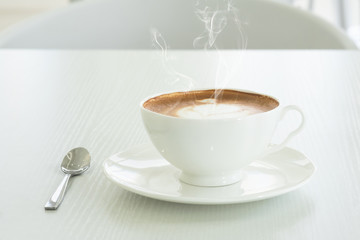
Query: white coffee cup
point(211, 152)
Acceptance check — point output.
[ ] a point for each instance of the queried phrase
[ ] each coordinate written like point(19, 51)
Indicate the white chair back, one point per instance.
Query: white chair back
point(126, 24)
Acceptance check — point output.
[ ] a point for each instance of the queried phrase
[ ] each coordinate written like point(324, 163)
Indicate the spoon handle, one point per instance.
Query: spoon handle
point(58, 195)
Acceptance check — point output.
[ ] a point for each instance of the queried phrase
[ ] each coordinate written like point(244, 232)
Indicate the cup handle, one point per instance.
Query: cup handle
point(285, 110)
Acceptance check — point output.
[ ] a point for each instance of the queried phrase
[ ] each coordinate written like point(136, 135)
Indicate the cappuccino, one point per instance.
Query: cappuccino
point(199, 132)
point(210, 104)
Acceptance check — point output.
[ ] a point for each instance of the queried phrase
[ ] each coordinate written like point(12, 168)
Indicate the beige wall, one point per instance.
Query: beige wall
point(14, 11)
point(32, 3)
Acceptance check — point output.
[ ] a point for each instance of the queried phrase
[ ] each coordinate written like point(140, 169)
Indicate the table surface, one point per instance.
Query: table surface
point(52, 101)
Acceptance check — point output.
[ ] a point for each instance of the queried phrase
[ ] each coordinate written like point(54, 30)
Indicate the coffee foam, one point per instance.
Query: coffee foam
point(209, 109)
point(202, 104)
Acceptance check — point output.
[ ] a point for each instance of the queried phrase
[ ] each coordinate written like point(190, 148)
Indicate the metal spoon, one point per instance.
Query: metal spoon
point(75, 162)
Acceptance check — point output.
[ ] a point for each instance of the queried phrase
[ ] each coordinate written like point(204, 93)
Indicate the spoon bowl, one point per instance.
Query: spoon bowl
point(76, 161)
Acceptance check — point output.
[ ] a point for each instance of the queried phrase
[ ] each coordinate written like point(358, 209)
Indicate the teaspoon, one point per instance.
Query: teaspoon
point(75, 162)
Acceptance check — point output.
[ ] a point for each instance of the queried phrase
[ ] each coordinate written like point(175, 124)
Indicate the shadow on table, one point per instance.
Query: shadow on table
point(255, 219)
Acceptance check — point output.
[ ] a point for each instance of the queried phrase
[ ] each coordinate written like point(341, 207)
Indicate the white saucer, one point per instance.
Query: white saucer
point(142, 170)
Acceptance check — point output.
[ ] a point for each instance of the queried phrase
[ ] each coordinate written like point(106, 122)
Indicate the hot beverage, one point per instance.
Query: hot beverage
point(210, 104)
point(210, 135)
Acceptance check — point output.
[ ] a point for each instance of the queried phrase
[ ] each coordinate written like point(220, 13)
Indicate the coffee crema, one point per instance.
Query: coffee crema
point(210, 104)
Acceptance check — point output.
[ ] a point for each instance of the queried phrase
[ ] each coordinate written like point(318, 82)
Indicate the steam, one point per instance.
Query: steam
point(221, 21)
point(215, 19)
point(159, 43)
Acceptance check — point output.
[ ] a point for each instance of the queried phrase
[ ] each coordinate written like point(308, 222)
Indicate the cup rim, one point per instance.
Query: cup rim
point(208, 119)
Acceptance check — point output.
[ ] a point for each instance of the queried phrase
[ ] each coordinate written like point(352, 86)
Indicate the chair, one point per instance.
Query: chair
point(126, 24)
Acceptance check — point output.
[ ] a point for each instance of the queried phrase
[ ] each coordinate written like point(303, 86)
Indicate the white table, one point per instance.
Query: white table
point(52, 101)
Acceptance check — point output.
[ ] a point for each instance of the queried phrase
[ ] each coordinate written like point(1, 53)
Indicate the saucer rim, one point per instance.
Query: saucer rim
point(204, 201)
